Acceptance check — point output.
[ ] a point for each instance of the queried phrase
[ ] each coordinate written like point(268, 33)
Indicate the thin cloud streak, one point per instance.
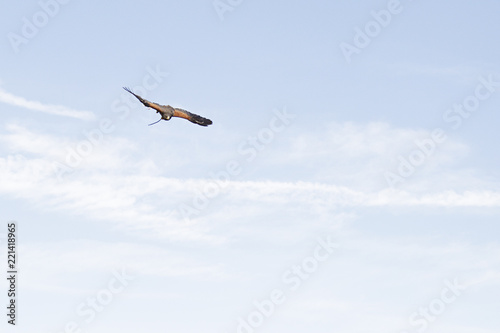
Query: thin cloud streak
point(58, 110)
point(107, 186)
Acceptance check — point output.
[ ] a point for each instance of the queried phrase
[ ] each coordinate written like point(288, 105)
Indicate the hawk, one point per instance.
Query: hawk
point(168, 112)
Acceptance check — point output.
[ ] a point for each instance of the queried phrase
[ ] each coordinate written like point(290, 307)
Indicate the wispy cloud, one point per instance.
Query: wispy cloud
point(360, 276)
point(357, 155)
point(131, 197)
point(58, 110)
point(80, 256)
point(132, 194)
point(144, 204)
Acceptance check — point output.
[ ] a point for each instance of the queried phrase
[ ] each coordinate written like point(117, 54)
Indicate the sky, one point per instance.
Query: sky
point(349, 182)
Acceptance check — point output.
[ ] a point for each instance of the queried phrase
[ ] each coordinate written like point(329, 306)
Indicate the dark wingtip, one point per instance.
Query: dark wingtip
point(142, 100)
point(203, 121)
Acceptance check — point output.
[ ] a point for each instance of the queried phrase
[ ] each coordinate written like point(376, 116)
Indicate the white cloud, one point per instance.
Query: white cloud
point(384, 280)
point(108, 153)
point(358, 155)
point(58, 110)
point(46, 264)
point(110, 185)
point(138, 202)
point(124, 195)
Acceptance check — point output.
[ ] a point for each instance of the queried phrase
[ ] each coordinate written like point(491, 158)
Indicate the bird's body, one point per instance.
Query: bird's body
point(168, 112)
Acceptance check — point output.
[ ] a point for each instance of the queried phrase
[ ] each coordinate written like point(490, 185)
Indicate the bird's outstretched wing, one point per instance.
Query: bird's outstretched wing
point(194, 118)
point(146, 103)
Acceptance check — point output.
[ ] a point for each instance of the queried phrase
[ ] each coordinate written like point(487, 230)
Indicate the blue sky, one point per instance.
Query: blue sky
point(346, 192)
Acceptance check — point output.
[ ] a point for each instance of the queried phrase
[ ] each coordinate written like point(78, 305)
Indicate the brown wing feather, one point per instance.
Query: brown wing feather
point(194, 118)
point(146, 103)
point(182, 114)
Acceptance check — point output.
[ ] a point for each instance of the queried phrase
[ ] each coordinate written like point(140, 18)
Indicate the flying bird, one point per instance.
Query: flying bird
point(168, 112)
